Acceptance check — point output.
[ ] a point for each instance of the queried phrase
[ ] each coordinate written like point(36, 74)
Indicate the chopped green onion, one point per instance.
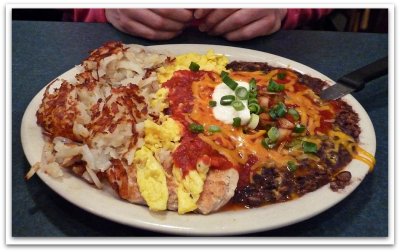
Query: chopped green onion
point(278, 110)
point(281, 109)
point(275, 87)
point(267, 144)
point(291, 165)
point(281, 75)
point(227, 100)
point(273, 134)
point(228, 81)
point(194, 66)
point(223, 74)
point(254, 120)
point(236, 122)
point(242, 93)
point(253, 94)
point(272, 114)
point(309, 147)
point(253, 100)
point(212, 103)
point(253, 85)
point(299, 128)
point(214, 128)
point(238, 105)
point(295, 143)
point(293, 112)
point(196, 128)
point(254, 108)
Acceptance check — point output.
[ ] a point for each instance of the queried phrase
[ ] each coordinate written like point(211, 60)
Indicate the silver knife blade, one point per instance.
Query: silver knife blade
point(335, 91)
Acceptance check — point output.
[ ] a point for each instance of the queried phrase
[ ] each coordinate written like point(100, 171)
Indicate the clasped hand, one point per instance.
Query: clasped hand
point(164, 24)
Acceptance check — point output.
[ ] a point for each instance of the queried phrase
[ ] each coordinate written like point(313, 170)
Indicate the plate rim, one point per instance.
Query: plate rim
point(150, 223)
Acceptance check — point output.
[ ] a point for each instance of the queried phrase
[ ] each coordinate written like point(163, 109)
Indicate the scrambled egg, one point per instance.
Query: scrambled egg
point(150, 173)
point(208, 62)
point(151, 176)
point(151, 179)
point(164, 136)
point(159, 101)
point(190, 187)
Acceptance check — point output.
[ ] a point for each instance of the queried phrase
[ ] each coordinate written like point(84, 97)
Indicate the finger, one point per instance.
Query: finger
point(137, 29)
point(179, 15)
point(155, 21)
point(261, 27)
point(214, 17)
point(237, 20)
point(200, 13)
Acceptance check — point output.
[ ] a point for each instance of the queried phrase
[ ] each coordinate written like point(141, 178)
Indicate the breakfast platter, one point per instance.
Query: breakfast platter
point(196, 139)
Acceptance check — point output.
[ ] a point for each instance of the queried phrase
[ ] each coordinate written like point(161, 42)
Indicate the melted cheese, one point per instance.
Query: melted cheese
point(231, 142)
point(237, 146)
point(308, 110)
point(340, 138)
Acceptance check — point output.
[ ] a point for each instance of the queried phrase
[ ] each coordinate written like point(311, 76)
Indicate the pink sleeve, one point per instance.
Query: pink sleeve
point(89, 15)
point(297, 17)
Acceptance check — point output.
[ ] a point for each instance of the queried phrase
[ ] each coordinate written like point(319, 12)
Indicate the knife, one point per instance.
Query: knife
point(356, 80)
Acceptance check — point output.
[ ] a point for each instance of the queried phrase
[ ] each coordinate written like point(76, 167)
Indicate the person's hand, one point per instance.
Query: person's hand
point(153, 24)
point(240, 24)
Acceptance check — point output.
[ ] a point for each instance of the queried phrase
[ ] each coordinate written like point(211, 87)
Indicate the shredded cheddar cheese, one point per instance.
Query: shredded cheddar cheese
point(308, 110)
point(237, 146)
point(340, 138)
point(231, 142)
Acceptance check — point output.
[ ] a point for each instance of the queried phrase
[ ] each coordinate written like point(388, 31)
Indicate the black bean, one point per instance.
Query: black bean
point(344, 176)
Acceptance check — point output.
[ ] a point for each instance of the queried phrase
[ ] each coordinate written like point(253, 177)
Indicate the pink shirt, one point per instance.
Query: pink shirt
point(86, 15)
point(294, 17)
point(297, 17)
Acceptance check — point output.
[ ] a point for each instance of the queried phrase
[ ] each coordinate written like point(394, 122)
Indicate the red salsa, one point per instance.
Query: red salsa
point(192, 148)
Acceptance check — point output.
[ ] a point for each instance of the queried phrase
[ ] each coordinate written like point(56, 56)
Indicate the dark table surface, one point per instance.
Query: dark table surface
point(43, 50)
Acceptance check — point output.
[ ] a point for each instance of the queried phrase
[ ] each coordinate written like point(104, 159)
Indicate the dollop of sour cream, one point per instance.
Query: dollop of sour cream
point(226, 114)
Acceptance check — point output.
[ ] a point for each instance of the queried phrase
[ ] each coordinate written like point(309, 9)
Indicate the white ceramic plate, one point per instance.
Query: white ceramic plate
point(106, 204)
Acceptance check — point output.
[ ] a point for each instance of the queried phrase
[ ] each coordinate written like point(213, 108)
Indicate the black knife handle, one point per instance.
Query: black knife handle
point(359, 77)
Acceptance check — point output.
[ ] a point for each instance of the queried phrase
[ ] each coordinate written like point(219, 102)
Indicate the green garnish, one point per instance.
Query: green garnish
point(228, 81)
point(252, 94)
point(242, 93)
point(278, 110)
point(214, 128)
point(293, 112)
point(291, 165)
point(236, 122)
point(227, 100)
point(270, 141)
point(194, 66)
point(238, 105)
point(253, 100)
point(254, 108)
point(254, 120)
point(196, 128)
point(299, 128)
point(273, 134)
point(295, 143)
point(267, 144)
point(253, 85)
point(309, 147)
point(212, 103)
point(223, 74)
point(281, 75)
point(275, 87)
